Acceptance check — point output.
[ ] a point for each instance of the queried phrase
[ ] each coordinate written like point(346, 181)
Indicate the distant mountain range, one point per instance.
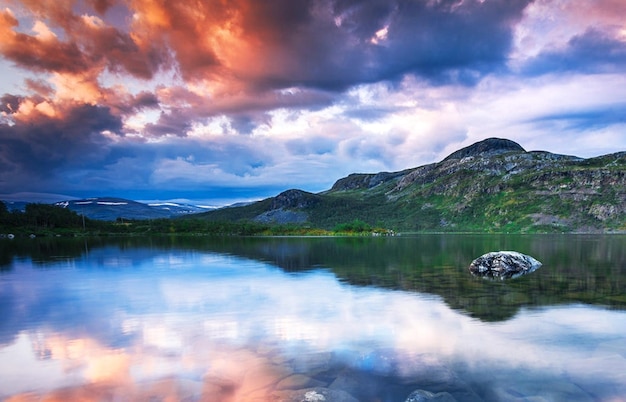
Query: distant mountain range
point(492, 185)
point(110, 209)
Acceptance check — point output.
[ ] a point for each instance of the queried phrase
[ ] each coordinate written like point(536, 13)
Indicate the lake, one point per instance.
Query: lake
point(310, 319)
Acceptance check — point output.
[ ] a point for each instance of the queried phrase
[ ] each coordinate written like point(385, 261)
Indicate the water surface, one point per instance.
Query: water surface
point(254, 319)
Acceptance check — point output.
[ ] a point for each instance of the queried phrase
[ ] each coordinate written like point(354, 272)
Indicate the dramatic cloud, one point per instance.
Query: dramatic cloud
point(90, 43)
point(332, 45)
point(216, 99)
point(44, 139)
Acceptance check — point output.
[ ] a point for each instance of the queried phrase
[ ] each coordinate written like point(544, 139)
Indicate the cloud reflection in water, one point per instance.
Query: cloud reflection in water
point(201, 325)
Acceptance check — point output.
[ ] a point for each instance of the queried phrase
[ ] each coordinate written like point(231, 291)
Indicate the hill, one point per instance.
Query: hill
point(111, 209)
point(494, 185)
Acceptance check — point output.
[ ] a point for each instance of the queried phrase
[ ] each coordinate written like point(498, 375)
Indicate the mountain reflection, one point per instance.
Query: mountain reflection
point(576, 268)
point(218, 320)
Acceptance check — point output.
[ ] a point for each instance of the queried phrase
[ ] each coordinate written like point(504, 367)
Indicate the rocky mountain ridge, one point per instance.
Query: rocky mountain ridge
point(492, 185)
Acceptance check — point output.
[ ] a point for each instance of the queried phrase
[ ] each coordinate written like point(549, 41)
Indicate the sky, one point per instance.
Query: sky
point(219, 101)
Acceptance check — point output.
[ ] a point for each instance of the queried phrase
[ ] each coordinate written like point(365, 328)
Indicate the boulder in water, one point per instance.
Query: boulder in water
point(503, 265)
point(424, 396)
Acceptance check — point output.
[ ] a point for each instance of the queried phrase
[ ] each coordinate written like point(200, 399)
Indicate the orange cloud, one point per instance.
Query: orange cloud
point(39, 52)
point(253, 46)
point(259, 44)
point(238, 40)
point(89, 43)
point(183, 27)
point(101, 6)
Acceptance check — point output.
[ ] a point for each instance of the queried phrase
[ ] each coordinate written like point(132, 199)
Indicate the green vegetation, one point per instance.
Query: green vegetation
point(41, 219)
point(513, 192)
point(52, 220)
point(356, 226)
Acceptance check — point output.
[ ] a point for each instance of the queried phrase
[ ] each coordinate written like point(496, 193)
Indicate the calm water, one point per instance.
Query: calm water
point(301, 319)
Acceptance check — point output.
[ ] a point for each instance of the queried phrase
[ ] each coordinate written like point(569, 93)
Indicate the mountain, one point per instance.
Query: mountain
point(110, 209)
point(492, 185)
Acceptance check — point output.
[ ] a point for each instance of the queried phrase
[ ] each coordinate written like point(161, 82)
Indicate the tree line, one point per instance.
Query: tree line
point(41, 217)
point(48, 219)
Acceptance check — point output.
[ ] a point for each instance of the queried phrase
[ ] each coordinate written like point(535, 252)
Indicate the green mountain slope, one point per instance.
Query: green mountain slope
point(493, 185)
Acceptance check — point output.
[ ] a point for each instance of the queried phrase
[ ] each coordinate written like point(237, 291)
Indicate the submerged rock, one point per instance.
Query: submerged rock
point(423, 396)
point(503, 265)
point(317, 394)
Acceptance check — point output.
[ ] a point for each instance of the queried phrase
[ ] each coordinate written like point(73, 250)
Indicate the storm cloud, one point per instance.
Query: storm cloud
point(36, 148)
point(274, 44)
